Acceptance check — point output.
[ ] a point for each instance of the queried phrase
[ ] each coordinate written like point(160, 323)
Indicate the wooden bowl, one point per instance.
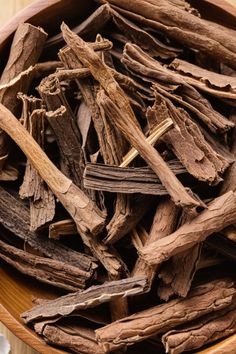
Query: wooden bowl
point(18, 291)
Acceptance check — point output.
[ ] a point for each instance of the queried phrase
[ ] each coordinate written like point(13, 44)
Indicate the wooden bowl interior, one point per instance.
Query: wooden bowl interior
point(18, 291)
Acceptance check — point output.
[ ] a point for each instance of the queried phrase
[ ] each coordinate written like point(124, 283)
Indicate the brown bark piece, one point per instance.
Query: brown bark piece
point(221, 212)
point(202, 331)
point(15, 216)
point(202, 300)
point(46, 270)
point(93, 296)
point(42, 203)
point(127, 179)
point(17, 74)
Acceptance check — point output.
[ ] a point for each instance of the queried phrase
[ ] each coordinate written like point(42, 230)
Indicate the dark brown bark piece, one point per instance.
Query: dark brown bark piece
point(15, 216)
point(46, 270)
point(221, 213)
point(21, 58)
point(202, 300)
point(93, 296)
point(42, 203)
point(203, 331)
point(126, 179)
point(68, 139)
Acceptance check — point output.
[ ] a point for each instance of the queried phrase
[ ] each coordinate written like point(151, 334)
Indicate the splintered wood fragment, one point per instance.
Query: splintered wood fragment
point(202, 331)
point(73, 337)
point(127, 179)
point(202, 299)
point(184, 27)
point(61, 228)
point(164, 223)
point(93, 296)
point(116, 106)
point(87, 216)
point(42, 203)
point(221, 212)
point(15, 217)
point(92, 25)
point(46, 270)
point(156, 133)
point(21, 58)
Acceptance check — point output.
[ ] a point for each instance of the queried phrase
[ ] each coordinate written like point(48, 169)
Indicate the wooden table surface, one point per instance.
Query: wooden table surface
point(8, 9)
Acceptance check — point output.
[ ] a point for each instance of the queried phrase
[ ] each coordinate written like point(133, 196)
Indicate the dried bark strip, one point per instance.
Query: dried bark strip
point(46, 270)
point(22, 56)
point(42, 203)
point(221, 213)
point(126, 180)
point(87, 216)
point(203, 331)
point(68, 140)
point(14, 216)
point(93, 296)
point(184, 27)
point(207, 77)
point(202, 300)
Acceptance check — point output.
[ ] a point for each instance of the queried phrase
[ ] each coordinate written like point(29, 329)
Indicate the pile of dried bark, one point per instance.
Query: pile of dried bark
point(125, 191)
